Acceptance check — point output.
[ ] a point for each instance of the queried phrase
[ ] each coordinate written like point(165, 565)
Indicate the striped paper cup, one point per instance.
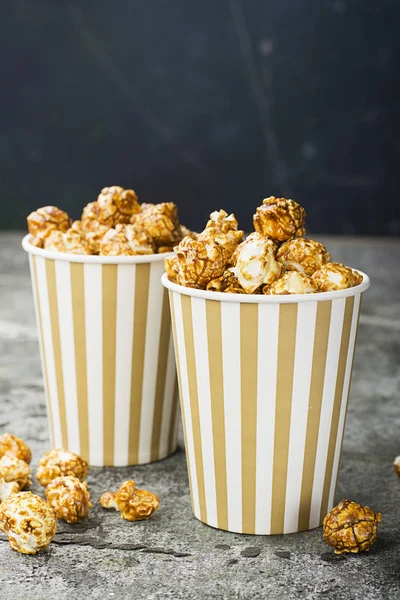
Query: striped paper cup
point(264, 382)
point(107, 355)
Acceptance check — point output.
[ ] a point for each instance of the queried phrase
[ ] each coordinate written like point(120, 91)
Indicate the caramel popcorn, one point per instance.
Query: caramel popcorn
point(7, 488)
point(114, 205)
point(291, 282)
point(350, 527)
point(160, 222)
point(255, 263)
point(133, 504)
point(196, 262)
point(92, 231)
point(335, 276)
point(15, 469)
point(43, 221)
point(126, 240)
point(396, 465)
point(223, 228)
point(279, 219)
point(11, 444)
point(69, 498)
point(28, 521)
point(228, 282)
point(57, 463)
point(303, 255)
point(70, 241)
point(185, 232)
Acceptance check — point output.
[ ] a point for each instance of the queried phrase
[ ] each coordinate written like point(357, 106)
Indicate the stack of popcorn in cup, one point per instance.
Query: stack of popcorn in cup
point(104, 326)
point(264, 332)
point(274, 259)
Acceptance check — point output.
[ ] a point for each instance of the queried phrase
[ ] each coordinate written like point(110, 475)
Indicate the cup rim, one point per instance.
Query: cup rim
point(90, 258)
point(263, 299)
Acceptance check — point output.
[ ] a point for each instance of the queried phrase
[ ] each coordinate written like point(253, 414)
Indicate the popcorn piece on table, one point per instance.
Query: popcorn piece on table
point(14, 475)
point(335, 276)
point(69, 241)
point(57, 463)
point(69, 498)
point(15, 469)
point(396, 465)
point(303, 255)
point(196, 262)
point(279, 219)
point(255, 263)
point(350, 527)
point(14, 445)
point(43, 221)
point(160, 222)
point(228, 283)
point(223, 228)
point(291, 282)
point(7, 488)
point(126, 240)
point(133, 504)
point(28, 521)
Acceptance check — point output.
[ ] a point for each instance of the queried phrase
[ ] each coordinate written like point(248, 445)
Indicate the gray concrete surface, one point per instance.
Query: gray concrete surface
point(175, 556)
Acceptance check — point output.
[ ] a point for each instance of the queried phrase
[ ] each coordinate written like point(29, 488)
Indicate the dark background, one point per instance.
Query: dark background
point(211, 104)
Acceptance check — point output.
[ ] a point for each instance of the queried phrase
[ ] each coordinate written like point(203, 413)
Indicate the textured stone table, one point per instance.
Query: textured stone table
point(175, 556)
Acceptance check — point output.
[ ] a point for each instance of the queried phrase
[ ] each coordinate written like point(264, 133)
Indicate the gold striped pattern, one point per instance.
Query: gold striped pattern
point(55, 330)
point(109, 292)
point(214, 338)
point(322, 325)
point(194, 401)
point(173, 419)
point(247, 329)
point(344, 346)
point(248, 378)
point(78, 314)
point(178, 369)
point(90, 295)
point(41, 341)
point(142, 278)
point(283, 408)
point(161, 375)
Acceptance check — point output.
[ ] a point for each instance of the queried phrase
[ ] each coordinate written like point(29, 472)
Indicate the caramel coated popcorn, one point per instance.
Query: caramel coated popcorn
point(114, 205)
point(396, 465)
point(303, 255)
point(350, 527)
point(126, 240)
point(133, 504)
point(70, 241)
point(228, 282)
point(291, 282)
point(160, 222)
point(255, 263)
point(11, 444)
point(335, 276)
point(279, 219)
point(274, 259)
point(15, 469)
point(196, 262)
point(43, 221)
point(69, 498)
point(58, 463)
point(113, 225)
point(28, 521)
point(223, 229)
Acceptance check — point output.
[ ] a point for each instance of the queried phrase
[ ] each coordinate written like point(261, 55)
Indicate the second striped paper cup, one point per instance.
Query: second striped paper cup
point(107, 355)
point(264, 382)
